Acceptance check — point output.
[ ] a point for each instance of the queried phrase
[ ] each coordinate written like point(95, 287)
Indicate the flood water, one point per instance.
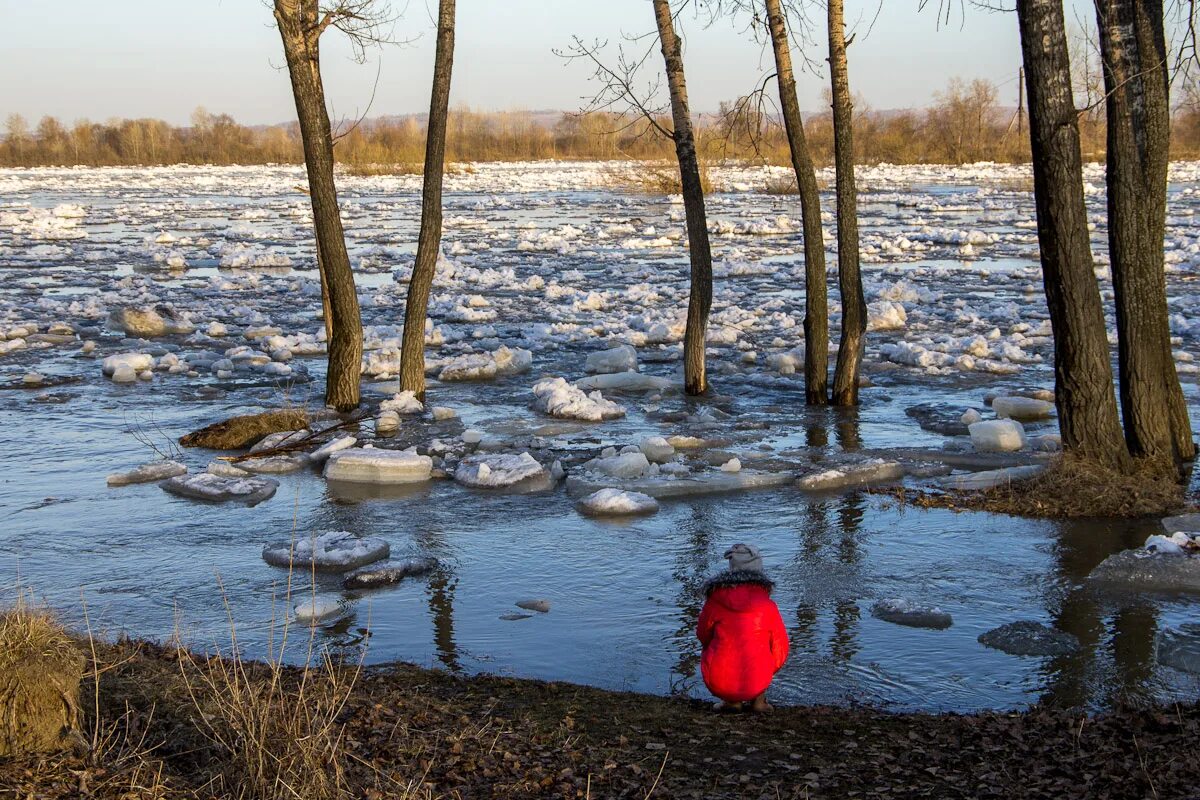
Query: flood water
point(625, 594)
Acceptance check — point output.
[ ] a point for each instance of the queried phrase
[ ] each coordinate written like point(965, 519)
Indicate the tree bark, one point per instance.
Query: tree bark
point(816, 305)
point(854, 306)
point(298, 22)
point(1134, 57)
point(695, 378)
point(1087, 407)
point(412, 352)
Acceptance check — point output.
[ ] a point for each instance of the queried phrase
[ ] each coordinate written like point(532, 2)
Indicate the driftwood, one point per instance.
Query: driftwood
point(244, 431)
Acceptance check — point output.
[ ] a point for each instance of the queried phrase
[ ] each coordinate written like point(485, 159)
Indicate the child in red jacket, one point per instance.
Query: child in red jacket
point(742, 635)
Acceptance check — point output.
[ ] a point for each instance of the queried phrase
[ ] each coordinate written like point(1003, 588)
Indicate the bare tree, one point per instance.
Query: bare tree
point(1087, 408)
point(854, 306)
point(301, 23)
point(1135, 61)
point(695, 378)
point(816, 305)
point(412, 353)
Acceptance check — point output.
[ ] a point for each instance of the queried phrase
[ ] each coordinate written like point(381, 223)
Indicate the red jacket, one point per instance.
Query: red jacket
point(742, 635)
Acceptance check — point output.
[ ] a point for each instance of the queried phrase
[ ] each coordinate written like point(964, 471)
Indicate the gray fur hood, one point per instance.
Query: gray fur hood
point(736, 577)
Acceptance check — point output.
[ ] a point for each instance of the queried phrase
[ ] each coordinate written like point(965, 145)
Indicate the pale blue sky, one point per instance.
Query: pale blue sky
point(162, 58)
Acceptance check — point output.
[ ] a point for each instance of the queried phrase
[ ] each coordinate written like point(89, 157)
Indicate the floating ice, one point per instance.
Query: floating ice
point(657, 449)
point(371, 465)
point(625, 382)
point(997, 435)
point(154, 471)
point(622, 358)
point(1030, 638)
point(386, 574)
point(219, 489)
point(501, 470)
point(875, 470)
point(1022, 408)
point(615, 502)
point(404, 403)
point(134, 362)
point(329, 448)
point(335, 551)
point(484, 366)
point(556, 397)
point(322, 608)
point(901, 611)
point(988, 479)
point(623, 465)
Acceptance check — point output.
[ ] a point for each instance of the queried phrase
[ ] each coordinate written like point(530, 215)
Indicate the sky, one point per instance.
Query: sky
point(98, 59)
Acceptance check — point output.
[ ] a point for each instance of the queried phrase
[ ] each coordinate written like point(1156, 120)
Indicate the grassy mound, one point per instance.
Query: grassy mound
point(1070, 488)
point(40, 671)
point(238, 432)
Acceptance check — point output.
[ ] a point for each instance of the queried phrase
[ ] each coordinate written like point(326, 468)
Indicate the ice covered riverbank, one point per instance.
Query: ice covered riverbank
point(545, 268)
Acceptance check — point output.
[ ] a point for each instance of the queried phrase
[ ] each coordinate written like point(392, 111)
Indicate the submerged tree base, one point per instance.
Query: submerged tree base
point(1070, 488)
point(413, 732)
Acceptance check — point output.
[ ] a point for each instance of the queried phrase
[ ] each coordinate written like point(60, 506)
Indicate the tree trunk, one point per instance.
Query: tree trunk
point(1087, 407)
point(298, 22)
point(695, 378)
point(1134, 56)
point(816, 306)
point(854, 307)
point(412, 353)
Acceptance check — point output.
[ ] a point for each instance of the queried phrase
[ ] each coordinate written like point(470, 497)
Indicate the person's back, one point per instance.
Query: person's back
point(742, 634)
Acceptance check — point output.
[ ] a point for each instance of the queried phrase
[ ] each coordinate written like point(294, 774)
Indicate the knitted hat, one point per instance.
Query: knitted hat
point(744, 557)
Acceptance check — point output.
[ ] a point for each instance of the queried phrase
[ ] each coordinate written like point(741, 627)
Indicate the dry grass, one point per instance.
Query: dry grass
point(372, 170)
point(1070, 488)
point(784, 184)
point(654, 178)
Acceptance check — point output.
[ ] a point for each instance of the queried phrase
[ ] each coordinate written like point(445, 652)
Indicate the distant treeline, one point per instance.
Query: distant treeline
point(965, 124)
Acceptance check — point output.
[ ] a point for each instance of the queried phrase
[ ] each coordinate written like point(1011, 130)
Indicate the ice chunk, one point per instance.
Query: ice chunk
point(885, 316)
point(388, 422)
point(275, 465)
point(1022, 408)
point(1140, 570)
point(329, 448)
point(145, 322)
point(624, 382)
point(975, 481)
point(539, 605)
point(970, 417)
point(154, 471)
point(997, 435)
point(137, 362)
point(322, 608)
point(378, 575)
point(219, 489)
point(657, 449)
point(1030, 638)
point(335, 551)
point(615, 502)
point(369, 465)
point(732, 465)
point(1178, 543)
point(623, 465)
point(900, 611)
point(405, 402)
point(1179, 648)
point(622, 358)
point(692, 485)
point(442, 413)
point(875, 470)
point(556, 397)
point(502, 470)
point(484, 366)
point(1183, 522)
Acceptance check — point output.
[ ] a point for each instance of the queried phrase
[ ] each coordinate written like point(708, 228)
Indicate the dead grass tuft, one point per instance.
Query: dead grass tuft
point(1072, 487)
point(372, 170)
point(655, 178)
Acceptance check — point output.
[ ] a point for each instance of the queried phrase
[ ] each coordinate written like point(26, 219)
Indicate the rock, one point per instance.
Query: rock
point(335, 551)
point(615, 502)
point(1179, 648)
point(371, 465)
point(540, 606)
point(622, 358)
point(997, 436)
point(843, 476)
point(1182, 522)
point(378, 575)
point(1022, 408)
point(900, 611)
point(657, 449)
point(154, 471)
point(502, 470)
point(1140, 570)
point(322, 608)
point(244, 431)
point(556, 397)
point(217, 489)
point(1030, 638)
point(988, 479)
